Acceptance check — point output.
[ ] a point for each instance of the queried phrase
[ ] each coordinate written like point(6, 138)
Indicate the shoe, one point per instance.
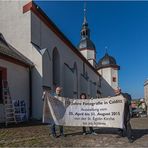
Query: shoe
point(93, 133)
point(130, 140)
point(53, 135)
point(62, 135)
point(84, 133)
point(120, 135)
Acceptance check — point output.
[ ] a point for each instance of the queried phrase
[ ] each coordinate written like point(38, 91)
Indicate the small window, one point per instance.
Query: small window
point(114, 79)
point(1, 96)
point(84, 68)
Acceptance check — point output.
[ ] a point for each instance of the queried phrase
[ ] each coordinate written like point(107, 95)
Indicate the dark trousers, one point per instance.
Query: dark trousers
point(53, 129)
point(128, 129)
point(91, 129)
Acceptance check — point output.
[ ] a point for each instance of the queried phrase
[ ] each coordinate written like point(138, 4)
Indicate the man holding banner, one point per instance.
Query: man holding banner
point(127, 124)
point(50, 114)
point(53, 129)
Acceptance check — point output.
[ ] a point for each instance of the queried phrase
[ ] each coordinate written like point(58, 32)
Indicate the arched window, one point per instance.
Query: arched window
point(56, 67)
point(75, 80)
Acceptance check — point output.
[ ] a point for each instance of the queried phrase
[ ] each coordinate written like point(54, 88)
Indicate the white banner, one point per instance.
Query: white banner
point(104, 112)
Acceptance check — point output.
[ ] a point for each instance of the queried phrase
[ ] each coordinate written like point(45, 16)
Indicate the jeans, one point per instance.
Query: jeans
point(128, 130)
point(53, 129)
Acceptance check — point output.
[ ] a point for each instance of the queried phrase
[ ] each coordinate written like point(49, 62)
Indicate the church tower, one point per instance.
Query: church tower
point(86, 46)
point(108, 69)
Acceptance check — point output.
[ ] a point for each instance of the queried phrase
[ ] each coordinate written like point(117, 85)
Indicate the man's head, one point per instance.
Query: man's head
point(58, 91)
point(117, 91)
point(83, 96)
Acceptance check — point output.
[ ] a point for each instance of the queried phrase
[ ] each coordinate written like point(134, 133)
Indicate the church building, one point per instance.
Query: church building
point(34, 54)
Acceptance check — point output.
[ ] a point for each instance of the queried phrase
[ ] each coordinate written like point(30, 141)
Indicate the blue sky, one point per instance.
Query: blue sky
point(121, 26)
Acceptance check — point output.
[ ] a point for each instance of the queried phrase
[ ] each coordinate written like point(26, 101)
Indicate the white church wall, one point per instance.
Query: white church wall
point(92, 62)
point(37, 86)
point(106, 82)
point(50, 40)
point(106, 89)
point(47, 69)
point(84, 53)
point(47, 39)
point(68, 87)
point(18, 81)
point(16, 28)
point(106, 74)
point(88, 54)
point(92, 82)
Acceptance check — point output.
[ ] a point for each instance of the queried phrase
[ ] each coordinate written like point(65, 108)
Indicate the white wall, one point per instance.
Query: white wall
point(16, 28)
point(106, 89)
point(18, 81)
point(106, 74)
point(90, 55)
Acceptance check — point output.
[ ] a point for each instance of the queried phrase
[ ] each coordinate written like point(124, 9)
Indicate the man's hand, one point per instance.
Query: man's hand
point(67, 103)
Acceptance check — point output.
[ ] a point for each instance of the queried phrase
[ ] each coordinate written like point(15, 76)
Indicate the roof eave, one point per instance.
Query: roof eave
point(14, 60)
point(109, 66)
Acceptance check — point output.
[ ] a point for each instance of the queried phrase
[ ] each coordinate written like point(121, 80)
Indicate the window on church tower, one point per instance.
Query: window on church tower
point(114, 79)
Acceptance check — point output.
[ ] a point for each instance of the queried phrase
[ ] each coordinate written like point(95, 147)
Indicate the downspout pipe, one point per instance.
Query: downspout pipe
point(30, 93)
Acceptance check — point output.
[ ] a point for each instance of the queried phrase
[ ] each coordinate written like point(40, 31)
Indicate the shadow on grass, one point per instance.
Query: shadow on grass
point(22, 124)
point(136, 133)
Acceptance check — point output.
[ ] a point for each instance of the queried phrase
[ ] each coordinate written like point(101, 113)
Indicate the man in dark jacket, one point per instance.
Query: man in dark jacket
point(127, 115)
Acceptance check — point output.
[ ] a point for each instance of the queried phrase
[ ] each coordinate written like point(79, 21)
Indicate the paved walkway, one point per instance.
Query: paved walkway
point(37, 135)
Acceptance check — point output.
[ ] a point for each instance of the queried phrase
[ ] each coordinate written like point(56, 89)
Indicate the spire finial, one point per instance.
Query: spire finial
point(84, 13)
point(106, 49)
point(84, 8)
